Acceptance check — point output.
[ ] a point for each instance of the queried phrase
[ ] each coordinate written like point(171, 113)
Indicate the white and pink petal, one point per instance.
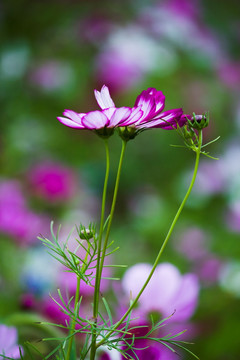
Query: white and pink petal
point(103, 98)
point(95, 120)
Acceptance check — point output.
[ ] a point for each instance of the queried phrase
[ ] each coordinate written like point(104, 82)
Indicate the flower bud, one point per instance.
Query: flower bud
point(198, 122)
point(86, 234)
point(127, 132)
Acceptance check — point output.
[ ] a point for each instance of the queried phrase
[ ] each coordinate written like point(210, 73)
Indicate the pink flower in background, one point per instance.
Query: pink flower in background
point(118, 61)
point(209, 269)
point(53, 182)
point(11, 193)
point(16, 219)
point(193, 243)
point(52, 75)
point(210, 179)
point(229, 74)
point(232, 216)
point(8, 342)
point(167, 292)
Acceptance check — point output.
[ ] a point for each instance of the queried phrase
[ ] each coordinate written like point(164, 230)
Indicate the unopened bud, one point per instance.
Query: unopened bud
point(198, 121)
point(127, 132)
point(86, 234)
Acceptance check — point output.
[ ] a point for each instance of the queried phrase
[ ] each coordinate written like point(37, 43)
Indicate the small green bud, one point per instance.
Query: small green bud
point(127, 132)
point(198, 122)
point(86, 234)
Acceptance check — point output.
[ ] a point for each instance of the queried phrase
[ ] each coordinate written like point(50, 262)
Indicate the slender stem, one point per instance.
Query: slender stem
point(124, 143)
point(198, 152)
point(99, 273)
point(74, 321)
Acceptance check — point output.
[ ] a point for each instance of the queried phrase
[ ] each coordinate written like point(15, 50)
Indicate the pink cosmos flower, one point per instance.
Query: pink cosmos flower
point(167, 292)
point(52, 182)
point(146, 113)
point(16, 219)
point(8, 342)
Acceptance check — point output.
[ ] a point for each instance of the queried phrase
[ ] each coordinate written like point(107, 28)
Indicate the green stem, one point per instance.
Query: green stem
point(99, 272)
point(198, 152)
point(74, 321)
point(124, 143)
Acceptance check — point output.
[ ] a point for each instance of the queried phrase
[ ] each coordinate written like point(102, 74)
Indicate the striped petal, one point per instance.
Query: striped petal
point(167, 120)
point(70, 123)
point(119, 116)
point(136, 114)
point(95, 120)
point(103, 98)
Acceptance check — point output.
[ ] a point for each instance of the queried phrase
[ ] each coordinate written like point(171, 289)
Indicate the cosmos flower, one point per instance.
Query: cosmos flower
point(146, 113)
point(52, 182)
point(168, 291)
point(108, 117)
point(8, 342)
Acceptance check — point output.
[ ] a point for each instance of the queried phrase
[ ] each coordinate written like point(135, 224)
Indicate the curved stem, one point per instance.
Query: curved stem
point(198, 152)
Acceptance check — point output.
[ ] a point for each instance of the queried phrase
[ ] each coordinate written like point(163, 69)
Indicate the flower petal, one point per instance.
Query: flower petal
point(119, 116)
point(73, 119)
point(167, 120)
point(136, 114)
point(95, 120)
point(103, 98)
point(70, 123)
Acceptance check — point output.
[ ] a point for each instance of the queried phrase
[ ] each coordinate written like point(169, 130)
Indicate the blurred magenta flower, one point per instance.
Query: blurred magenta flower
point(11, 193)
point(209, 269)
point(193, 243)
point(16, 219)
point(146, 113)
point(147, 349)
point(168, 291)
point(52, 75)
point(8, 342)
point(52, 182)
point(118, 61)
point(229, 74)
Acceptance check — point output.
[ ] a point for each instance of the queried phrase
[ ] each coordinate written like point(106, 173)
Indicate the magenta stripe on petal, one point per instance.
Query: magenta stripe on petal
point(134, 117)
point(119, 116)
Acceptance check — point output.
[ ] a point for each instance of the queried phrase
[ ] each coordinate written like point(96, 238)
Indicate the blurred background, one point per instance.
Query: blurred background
point(53, 55)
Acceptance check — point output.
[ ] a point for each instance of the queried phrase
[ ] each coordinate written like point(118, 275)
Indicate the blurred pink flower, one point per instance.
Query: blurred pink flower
point(229, 74)
point(192, 243)
point(51, 75)
point(8, 342)
point(232, 216)
point(16, 219)
point(209, 269)
point(11, 193)
point(53, 182)
point(118, 61)
point(167, 292)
